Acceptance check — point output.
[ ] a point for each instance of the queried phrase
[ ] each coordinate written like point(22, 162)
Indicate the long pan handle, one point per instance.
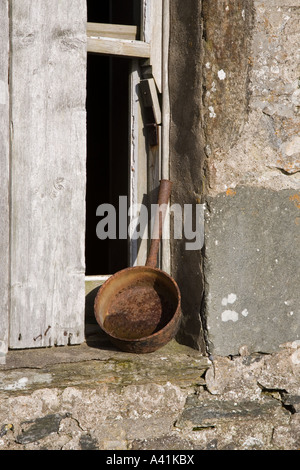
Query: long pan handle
point(163, 198)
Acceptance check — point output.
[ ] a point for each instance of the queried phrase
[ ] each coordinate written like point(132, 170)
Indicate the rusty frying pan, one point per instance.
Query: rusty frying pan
point(139, 308)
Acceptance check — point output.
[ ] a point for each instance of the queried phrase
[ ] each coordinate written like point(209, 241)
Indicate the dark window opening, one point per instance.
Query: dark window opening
point(114, 11)
point(107, 137)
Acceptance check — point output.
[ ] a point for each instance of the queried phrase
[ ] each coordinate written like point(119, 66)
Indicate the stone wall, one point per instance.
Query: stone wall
point(187, 154)
point(252, 144)
point(79, 398)
point(235, 91)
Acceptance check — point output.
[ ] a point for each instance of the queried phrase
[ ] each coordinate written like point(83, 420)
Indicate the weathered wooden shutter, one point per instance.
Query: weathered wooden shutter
point(43, 172)
point(4, 179)
point(48, 153)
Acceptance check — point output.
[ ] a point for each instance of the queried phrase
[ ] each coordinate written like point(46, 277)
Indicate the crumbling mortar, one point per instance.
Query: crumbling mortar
point(286, 173)
point(279, 395)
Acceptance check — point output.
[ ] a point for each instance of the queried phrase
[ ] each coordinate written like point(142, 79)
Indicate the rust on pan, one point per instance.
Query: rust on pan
point(138, 311)
point(139, 308)
point(134, 326)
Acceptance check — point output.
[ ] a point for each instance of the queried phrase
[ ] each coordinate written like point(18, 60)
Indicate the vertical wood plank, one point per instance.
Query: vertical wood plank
point(156, 43)
point(4, 178)
point(48, 83)
point(138, 168)
point(165, 157)
point(152, 33)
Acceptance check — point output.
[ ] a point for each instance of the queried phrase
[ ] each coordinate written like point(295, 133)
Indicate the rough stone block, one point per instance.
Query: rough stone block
point(252, 254)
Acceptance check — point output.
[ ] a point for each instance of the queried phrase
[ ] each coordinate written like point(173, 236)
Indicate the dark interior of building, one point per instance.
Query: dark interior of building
point(107, 137)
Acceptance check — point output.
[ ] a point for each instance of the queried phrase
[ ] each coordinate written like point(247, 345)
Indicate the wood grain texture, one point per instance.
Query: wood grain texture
point(115, 46)
point(138, 157)
point(4, 178)
point(165, 132)
point(152, 34)
point(111, 30)
point(48, 86)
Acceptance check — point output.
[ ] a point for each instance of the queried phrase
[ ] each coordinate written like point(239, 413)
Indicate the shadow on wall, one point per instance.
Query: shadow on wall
point(186, 156)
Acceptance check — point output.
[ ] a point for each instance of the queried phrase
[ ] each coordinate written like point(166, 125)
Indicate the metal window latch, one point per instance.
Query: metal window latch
point(152, 109)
